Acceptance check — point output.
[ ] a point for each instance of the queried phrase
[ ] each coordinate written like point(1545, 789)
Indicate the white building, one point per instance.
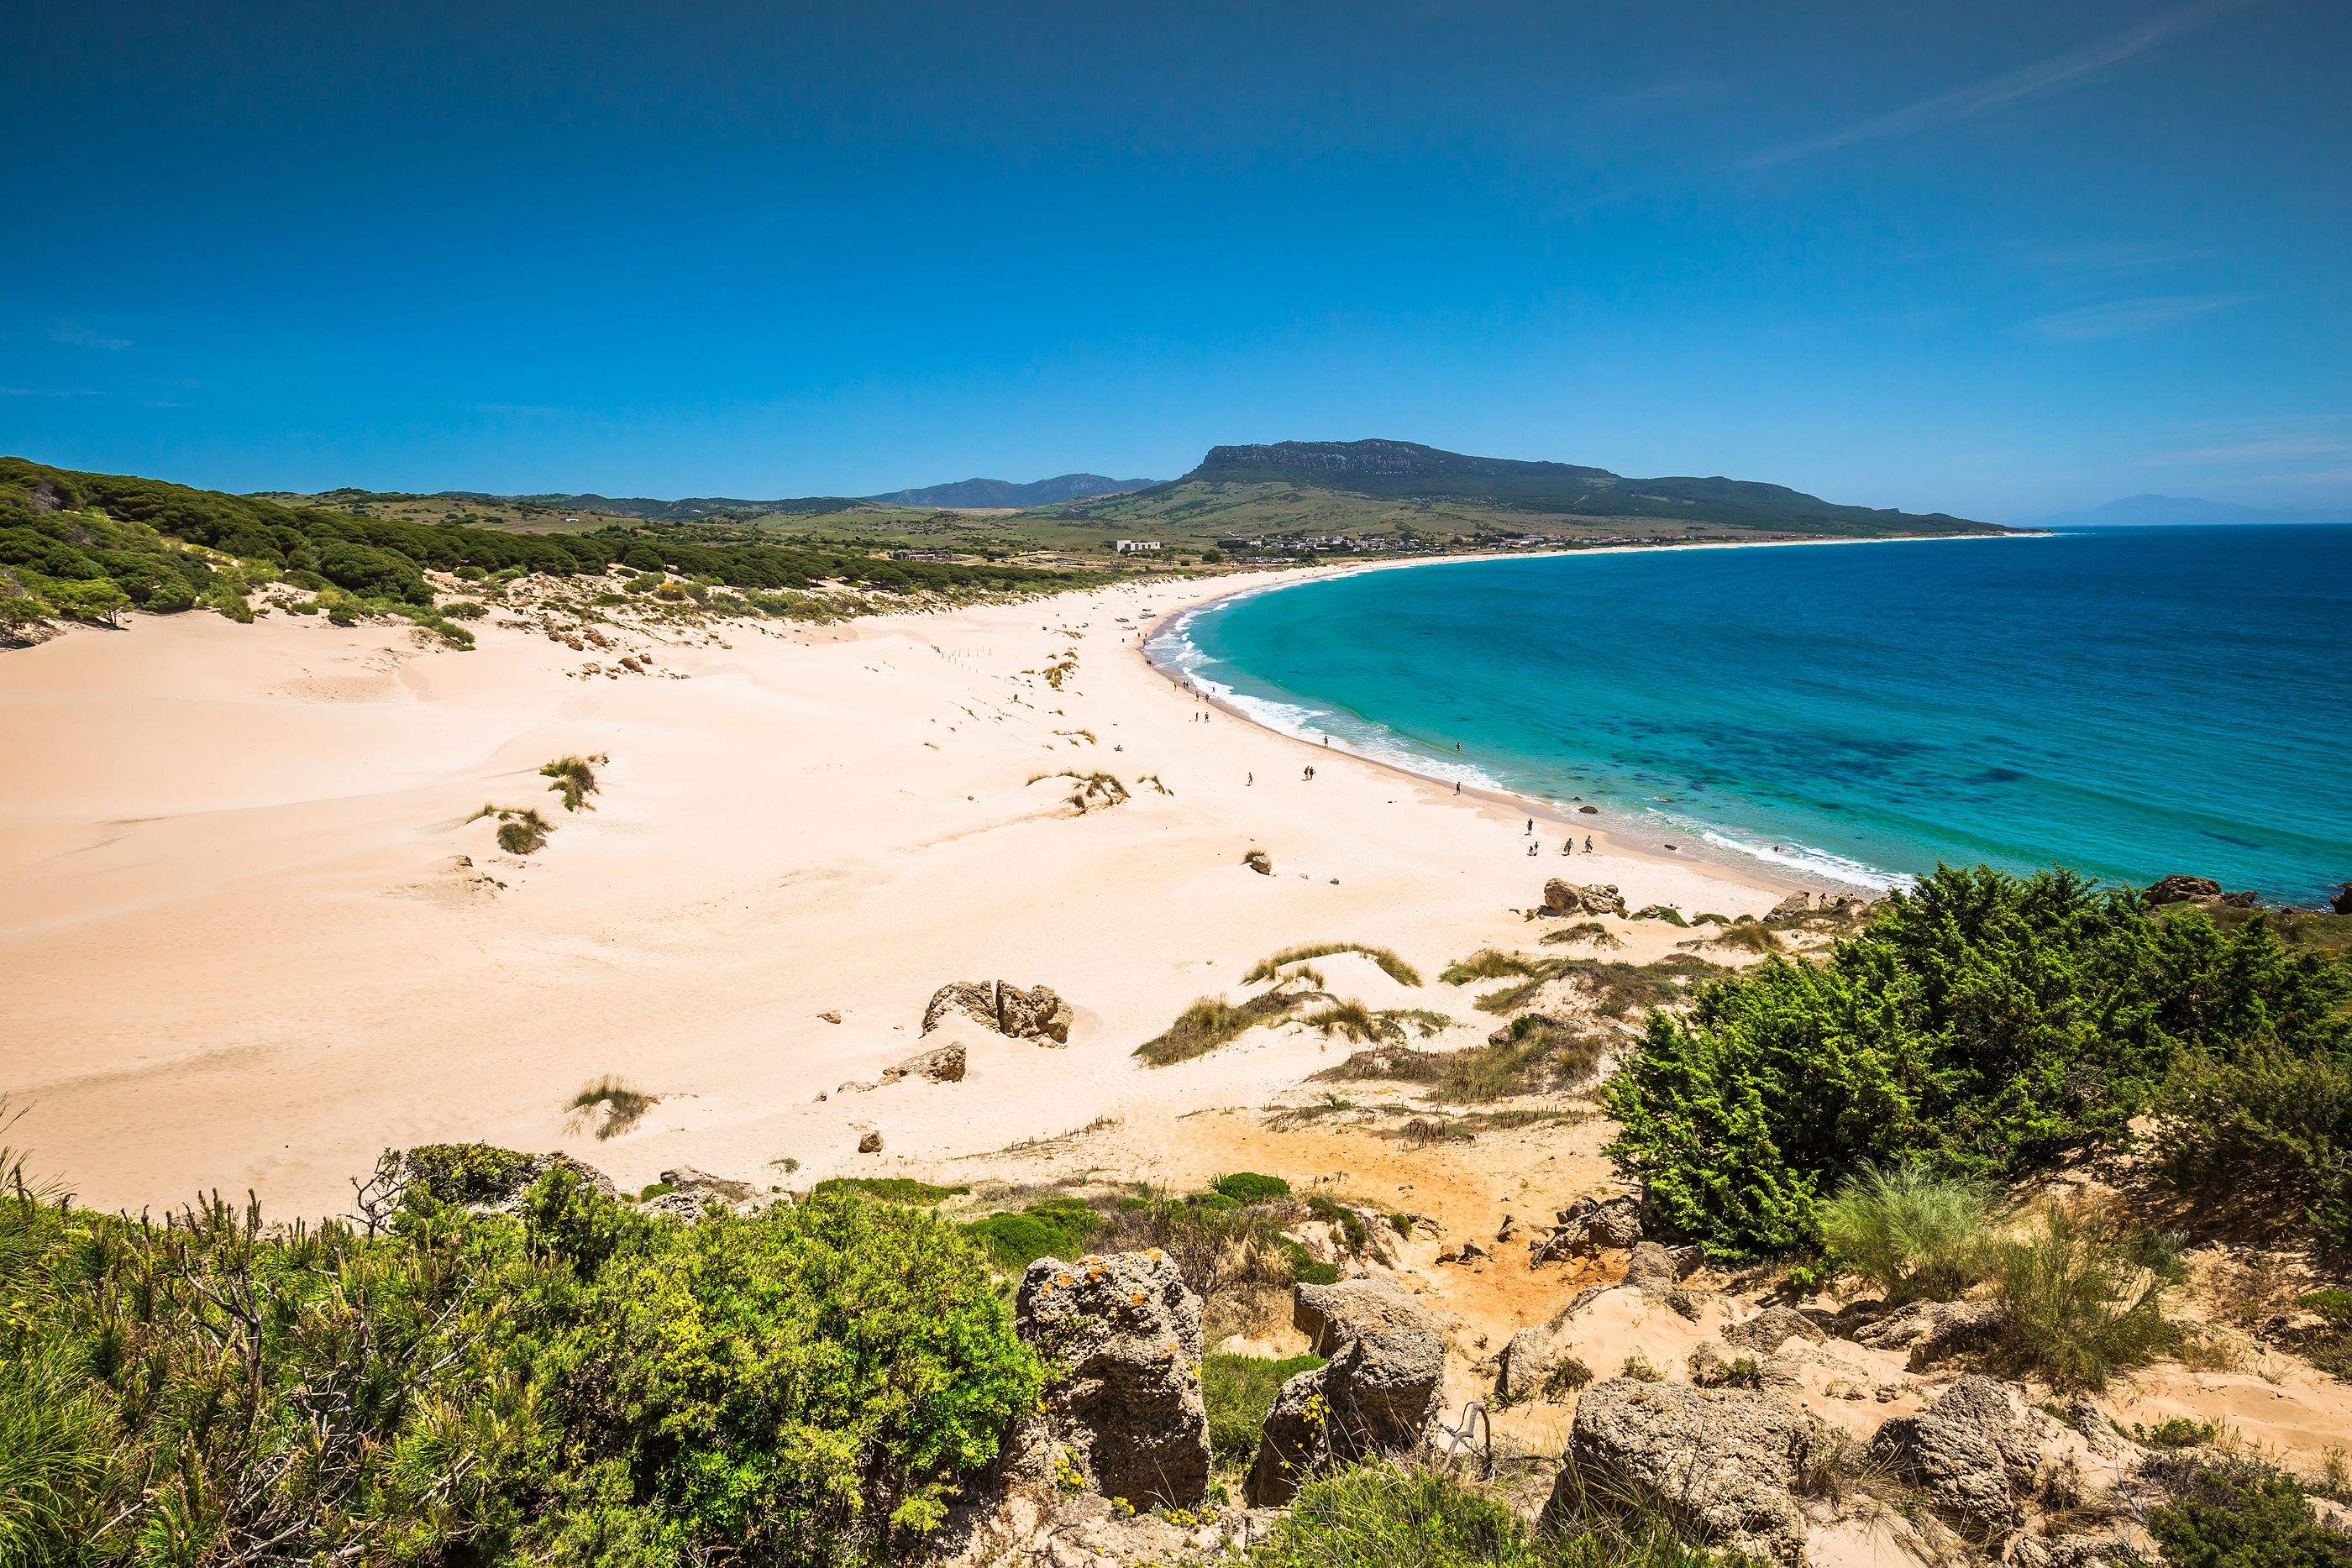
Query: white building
point(1133, 547)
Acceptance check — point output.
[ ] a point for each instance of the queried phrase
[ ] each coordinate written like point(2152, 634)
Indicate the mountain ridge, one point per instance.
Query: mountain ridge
point(1013, 494)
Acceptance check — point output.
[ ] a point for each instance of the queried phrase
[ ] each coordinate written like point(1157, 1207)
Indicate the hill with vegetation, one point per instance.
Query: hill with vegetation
point(88, 547)
point(1402, 483)
point(1005, 493)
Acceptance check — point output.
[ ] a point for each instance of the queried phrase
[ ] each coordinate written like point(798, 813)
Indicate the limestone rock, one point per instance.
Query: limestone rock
point(1588, 1225)
point(1373, 1397)
point(1763, 1333)
point(1974, 1453)
point(1563, 897)
point(687, 1179)
point(1330, 1315)
point(1654, 1267)
point(1724, 1460)
point(870, 1143)
point(1124, 1333)
point(1932, 1331)
point(1037, 1014)
point(1796, 903)
point(1259, 862)
point(942, 1064)
point(1539, 1363)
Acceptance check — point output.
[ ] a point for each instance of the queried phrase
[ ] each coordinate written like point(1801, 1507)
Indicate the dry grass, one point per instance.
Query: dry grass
point(611, 1106)
point(574, 780)
point(1396, 968)
point(1212, 1022)
point(1591, 930)
point(1091, 790)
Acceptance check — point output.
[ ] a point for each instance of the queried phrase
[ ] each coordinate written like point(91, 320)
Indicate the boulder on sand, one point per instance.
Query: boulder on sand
point(1725, 1462)
point(1975, 1453)
point(1123, 1335)
point(1588, 1225)
point(942, 1064)
point(1562, 897)
point(1037, 1014)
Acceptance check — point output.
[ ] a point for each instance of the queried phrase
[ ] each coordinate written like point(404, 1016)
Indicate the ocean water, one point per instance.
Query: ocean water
point(2126, 702)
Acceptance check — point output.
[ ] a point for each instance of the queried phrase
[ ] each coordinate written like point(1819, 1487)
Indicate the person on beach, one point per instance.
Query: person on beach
point(1588, 844)
point(1251, 778)
point(1310, 774)
point(1457, 785)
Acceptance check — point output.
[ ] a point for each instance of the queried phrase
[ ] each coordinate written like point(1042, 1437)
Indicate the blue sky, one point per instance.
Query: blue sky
point(1992, 258)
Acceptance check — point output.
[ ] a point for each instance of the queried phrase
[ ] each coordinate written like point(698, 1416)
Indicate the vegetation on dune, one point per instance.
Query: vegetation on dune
point(2239, 1515)
point(1388, 1515)
point(892, 1189)
point(1911, 1232)
point(2083, 1296)
point(574, 780)
point(1396, 968)
point(609, 1106)
point(1212, 1022)
point(1239, 1390)
point(1981, 1024)
point(579, 1384)
point(1088, 790)
point(1535, 1055)
point(87, 546)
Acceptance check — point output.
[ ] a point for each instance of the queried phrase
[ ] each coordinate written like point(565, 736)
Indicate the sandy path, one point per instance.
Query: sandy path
point(236, 948)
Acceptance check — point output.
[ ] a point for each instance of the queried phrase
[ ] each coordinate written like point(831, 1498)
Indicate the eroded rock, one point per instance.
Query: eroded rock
point(1587, 1226)
point(1373, 1397)
point(1330, 1315)
point(1763, 1333)
point(1563, 897)
point(1975, 1453)
point(1124, 1333)
point(1034, 1014)
point(1932, 1331)
point(1723, 1462)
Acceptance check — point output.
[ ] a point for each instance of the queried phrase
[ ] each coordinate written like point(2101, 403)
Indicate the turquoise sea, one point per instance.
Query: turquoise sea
point(2128, 702)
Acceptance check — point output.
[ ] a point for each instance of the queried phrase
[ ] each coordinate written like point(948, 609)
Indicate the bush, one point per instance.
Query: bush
point(1384, 1516)
point(1981, 1024)
point(1057, 1227)
point(1911, 1232)
point(1248, 1186)
point(2084, 1296)
point(574, 780)
point(2236, 1517)
point(892, 1189)
point(580, 1384)
point(2270, 1129)
point(466, 1172)
point(1239, 1391)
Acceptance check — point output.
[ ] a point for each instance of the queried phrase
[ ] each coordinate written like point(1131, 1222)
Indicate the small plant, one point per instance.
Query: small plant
point(1910, 1231)
point(2239, 1515)
point(1091, 790)
point(2179, 1432)
point(1591, 930)
point(609, 1105)
point(1248, 1186)
point(1637, 1368)
point(1486, 963)
point(574, 780)
point(887, 1189)
point(1239, 1390)
point(1666, 912)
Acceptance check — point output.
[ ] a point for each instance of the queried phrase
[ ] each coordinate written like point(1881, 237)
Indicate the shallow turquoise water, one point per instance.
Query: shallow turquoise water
point(2128, 703)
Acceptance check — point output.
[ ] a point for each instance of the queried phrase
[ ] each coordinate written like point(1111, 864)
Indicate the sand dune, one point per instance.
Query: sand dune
point(249, 937)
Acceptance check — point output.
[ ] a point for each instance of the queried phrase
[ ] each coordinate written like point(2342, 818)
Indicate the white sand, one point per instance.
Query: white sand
point(235, 950)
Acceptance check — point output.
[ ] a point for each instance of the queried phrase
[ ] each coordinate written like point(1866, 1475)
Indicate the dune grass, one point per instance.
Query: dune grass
point(1486, 963)
point(1396, 968)
point(1535, 1055)
point(2083, 1296)
point(1212, 1022)
point(574, 780)
point(610, 1105)
point(1911, 1231)
point(1591, 930)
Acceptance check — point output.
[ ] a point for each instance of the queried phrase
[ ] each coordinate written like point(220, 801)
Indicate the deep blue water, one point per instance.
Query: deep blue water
point(2129, 702)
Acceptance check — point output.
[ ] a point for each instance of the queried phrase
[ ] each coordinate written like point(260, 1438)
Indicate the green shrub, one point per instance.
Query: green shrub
point(2235, 1517)
point(2083, 1296)
point(891, 1189)
point(2269, 1129)
point(1981, 1024)
point(1910, 1231)
point(1248, 1186)
point(1057, 1227)
point(466, 1172)
point(802, 1388)
point(1239, 1391)
point(1384, 1516)
point(574, 780)
point(2179, 1432)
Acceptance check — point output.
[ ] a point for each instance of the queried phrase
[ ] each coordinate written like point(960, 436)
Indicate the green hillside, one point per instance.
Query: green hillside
point(1295, 483)
point(87, 546)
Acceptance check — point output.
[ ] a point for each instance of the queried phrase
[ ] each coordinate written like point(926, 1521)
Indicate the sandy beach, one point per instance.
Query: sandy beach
point(251, 937)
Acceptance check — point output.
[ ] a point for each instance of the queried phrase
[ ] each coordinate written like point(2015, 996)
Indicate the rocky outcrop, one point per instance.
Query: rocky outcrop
point(2180, 889)
point(1373, 1397)
point(1722, 1464)
point(1764, 1334)
point(1540, 1362)
point(1259, 862)
point(2342, 902)
point(1562, 897)
point(1331, 1315)
point(1123, 1335)
point(1656, 1268)
point(1788, 908)
point(943, 1065)
point(1585, 1227)
point(1974, 1454)
point(1933, 1330)
point(1037, 1014)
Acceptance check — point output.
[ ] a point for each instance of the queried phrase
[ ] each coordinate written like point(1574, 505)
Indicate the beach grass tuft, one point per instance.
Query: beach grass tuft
point(1396, 968)
point(574, 778)
point(610, 1106)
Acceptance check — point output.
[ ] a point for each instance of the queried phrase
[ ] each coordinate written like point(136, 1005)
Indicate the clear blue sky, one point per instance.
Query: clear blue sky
point(1989, 257)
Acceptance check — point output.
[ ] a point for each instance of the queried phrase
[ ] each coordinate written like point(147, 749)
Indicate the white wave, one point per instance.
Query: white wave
point(1811, 862)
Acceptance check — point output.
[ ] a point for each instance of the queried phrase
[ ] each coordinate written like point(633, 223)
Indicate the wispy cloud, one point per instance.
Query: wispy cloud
point(47, 391)
point(2123, 317)
point(81, 336)
point(2001, 91)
